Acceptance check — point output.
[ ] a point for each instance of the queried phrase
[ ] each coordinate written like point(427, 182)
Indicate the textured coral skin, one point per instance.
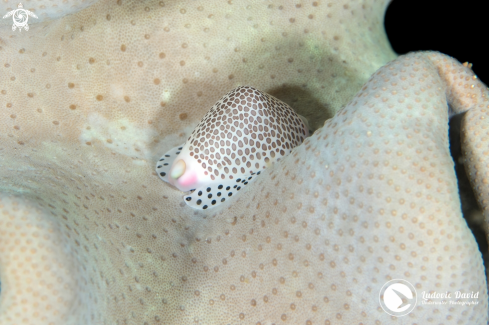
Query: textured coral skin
point(161, 65)
point(369, 197)
point(36, 267)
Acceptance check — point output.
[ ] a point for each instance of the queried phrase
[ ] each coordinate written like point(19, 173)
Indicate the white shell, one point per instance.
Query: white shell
point(242, 134)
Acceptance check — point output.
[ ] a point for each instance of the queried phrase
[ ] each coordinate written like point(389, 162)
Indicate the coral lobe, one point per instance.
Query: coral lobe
point(89, 102)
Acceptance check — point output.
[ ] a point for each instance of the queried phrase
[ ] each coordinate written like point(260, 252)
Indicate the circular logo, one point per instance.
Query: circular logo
point(398, 297)
point(20, 17)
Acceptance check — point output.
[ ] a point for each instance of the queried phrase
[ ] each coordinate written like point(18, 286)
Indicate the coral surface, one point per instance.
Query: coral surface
point(90, 235)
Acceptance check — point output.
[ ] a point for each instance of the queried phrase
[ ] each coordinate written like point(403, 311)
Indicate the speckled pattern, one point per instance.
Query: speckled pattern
point(243, 125)
point(377, 201)
point(243, 133)
point(35, 265)
point(91, 101)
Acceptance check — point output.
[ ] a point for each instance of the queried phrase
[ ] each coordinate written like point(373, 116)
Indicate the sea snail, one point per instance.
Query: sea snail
point(242, 134)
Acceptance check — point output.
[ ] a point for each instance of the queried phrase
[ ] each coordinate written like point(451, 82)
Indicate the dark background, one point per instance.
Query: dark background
point(456, 28)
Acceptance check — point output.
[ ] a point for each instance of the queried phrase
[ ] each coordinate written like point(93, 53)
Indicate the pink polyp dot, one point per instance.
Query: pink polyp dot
point(187, 180)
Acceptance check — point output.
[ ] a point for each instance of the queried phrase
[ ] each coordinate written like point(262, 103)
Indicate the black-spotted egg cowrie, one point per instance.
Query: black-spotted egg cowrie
point(245, 132)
